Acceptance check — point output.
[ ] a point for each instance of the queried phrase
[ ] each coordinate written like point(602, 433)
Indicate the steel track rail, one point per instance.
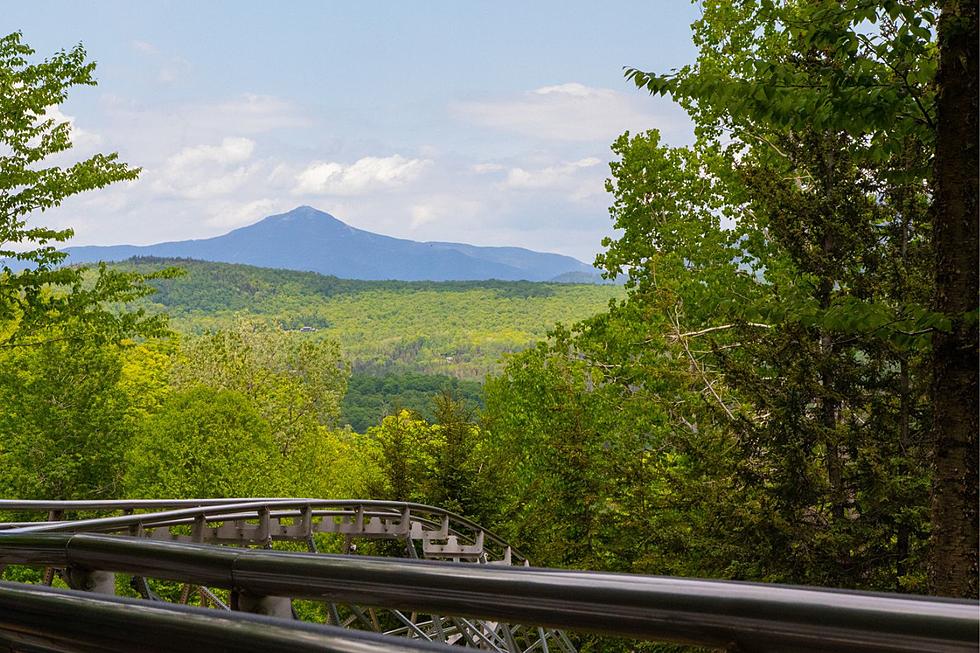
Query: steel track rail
point(38, 618)
point(181, 511)
point(742, 616)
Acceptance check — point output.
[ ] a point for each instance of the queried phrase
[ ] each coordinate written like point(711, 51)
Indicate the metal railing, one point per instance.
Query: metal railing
point(38, 618)
point(719, 614)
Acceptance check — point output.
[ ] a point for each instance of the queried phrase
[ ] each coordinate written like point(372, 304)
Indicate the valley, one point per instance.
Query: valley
point(405, 341)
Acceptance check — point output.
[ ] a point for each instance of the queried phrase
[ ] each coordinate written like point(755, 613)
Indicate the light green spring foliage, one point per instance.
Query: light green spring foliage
point(289, 387)
point(608, 456)
point(203, 442)
point(64, 420)
point(332, 464)
point(439, 463)
point(459, 329)
point(295, 382)
point(64, 428)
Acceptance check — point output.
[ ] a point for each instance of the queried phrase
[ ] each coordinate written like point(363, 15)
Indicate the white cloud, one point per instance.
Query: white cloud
point(442, 207)
point(573, 89)
point(569, 112)
point(364, 175)
point(153, 129)
point(251, 113)
point(549, 177)
point(575, 178)
point(233, 214)
point(231, 150)
point(484, 168)
point(206, 171)
point(422, 214)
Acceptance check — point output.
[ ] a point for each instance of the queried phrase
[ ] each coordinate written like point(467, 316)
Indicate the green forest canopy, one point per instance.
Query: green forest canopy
point(456, 328)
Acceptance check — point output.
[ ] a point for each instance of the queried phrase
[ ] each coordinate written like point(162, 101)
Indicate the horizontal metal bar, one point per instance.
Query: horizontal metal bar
point(39, 618)
point(753, 617)
point(26, 505)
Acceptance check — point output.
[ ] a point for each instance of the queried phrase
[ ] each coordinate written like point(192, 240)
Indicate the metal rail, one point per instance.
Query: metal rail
point(38, 618)
point(741, 616)
point(439, 530)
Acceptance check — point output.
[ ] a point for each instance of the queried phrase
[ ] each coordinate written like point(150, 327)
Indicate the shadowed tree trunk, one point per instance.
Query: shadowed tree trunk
point(953, 564)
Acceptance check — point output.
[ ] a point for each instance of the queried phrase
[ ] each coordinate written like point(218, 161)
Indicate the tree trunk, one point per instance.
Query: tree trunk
point(953, 564)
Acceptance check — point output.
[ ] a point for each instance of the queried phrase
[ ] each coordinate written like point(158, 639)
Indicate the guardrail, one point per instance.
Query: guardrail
point(38, 618)
point(718, 614)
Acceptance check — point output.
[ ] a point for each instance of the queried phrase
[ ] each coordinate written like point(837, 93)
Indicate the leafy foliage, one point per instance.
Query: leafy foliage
point(64, 428)
point(455, 328)
point(203, 442)
point(45, 295)
point(775, 324)
point(370, 397)
point(439, 463)
point(296, 383)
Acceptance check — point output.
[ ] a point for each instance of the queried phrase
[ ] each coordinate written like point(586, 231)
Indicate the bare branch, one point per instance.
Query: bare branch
point(682, 338)
point(694, 334)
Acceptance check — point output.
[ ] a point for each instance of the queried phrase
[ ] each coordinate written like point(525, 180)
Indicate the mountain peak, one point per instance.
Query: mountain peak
point(301, 212)
point(306, 238)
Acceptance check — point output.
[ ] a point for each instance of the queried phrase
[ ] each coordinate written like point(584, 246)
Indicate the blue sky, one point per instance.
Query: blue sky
point(485, 122)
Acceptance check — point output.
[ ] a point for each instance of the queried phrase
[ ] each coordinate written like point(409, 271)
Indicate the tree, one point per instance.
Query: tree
point(203, 443)
point(64, 423)
point(296, 382)
point(458, 456)
point(35, 293)
point(435, 463)
point(831, 125)
point(955, 391)
point(407, 446)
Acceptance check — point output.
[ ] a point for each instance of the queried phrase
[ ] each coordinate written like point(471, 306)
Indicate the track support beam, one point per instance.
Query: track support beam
point(88, 580)
point(271, 606)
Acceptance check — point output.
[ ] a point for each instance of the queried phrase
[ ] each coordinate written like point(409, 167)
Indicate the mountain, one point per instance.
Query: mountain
point(311, 240)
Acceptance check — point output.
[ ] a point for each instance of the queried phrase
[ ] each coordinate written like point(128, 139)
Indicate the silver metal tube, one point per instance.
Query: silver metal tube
point(38, 618)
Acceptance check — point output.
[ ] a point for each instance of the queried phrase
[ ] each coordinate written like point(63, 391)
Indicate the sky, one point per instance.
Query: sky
point(481, 122)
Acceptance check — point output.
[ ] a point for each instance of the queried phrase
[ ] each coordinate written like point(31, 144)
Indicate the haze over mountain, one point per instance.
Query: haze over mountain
point(312, 240)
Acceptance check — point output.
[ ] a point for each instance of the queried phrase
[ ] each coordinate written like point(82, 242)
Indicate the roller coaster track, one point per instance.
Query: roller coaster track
point(453, 583)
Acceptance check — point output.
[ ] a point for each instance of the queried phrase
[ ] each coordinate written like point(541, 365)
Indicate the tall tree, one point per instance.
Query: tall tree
point(204, 442)
point(64, 423)
point(953, 569)
point(821, 117)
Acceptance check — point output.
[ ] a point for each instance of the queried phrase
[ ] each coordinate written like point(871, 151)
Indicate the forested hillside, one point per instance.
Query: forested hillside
point(372, 396)
point(455, 328)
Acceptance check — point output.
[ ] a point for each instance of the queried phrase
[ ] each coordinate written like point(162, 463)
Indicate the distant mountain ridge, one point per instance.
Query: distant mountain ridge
point(307, 239)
